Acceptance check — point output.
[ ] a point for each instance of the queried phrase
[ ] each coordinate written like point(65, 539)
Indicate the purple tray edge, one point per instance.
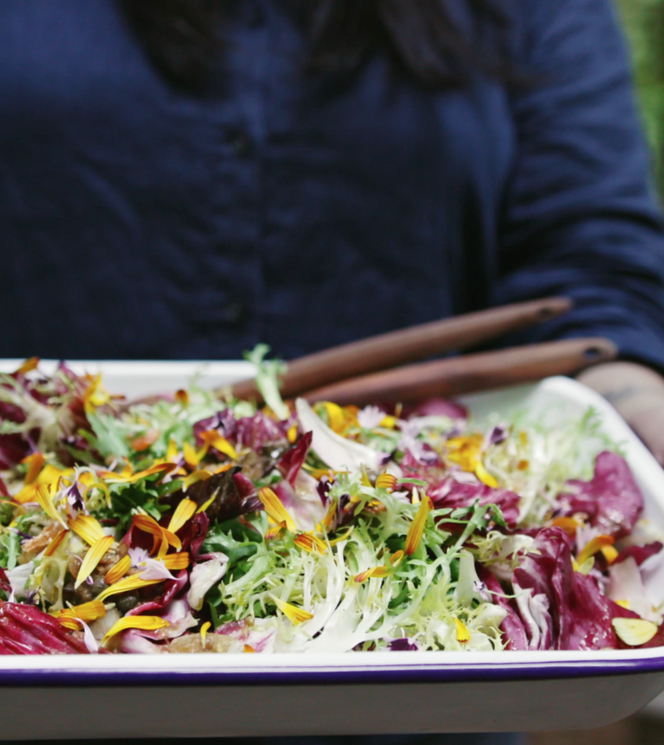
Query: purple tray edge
point(412, 674)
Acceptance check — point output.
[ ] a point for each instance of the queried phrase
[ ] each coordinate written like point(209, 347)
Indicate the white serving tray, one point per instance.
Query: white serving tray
point(359, 693)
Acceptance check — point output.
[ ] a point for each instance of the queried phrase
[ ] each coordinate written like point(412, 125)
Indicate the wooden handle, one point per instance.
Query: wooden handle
point(407, 345)
point(467, 374)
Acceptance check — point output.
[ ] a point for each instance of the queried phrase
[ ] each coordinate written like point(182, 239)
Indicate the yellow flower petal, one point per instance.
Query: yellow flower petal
point(414, 535)
point(396, 558)
point(118, 478)
point(183, 513)
point(275, 509)
point(248, 650)
point(215, 440)
point(118, 570)
point(484, 476)
point(610, 553)
point(87, 612)
point(182, 397)
point(95, 394)
point(310, 543)
point(87, 528)
point(388, 422)
point(171, 451)
point(291, 434)
point(195, 477)
point(94, 555)
point(205, 505)
point(622, 603)
point(335, 416)
point(193, 457)
point(45, 501)
point(386, 481)
point(634, 631)
point(145, 623)
point(203, 632)
point(595, 545)
point(132, 582)
point(274, 531)
point(293, 614)
point(462, 633)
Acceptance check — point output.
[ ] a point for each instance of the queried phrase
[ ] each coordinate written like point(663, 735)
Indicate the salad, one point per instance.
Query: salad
point(203, 524)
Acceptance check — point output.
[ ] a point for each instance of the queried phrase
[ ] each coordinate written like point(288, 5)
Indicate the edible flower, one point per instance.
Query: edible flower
point(594, 546)
point(462, 633)
point(94, 555)
point(71, 617)
point(295, 615)
point(274, 509)
point(416, 529)
point(144, 623)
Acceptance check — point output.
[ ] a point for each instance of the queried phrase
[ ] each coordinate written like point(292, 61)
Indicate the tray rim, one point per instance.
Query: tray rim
point(361, 667)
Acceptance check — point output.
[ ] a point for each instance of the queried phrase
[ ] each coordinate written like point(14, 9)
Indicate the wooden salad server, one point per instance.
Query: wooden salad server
point(407, 345)
point(466, 374)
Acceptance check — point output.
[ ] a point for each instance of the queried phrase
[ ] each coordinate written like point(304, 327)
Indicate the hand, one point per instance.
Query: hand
point(637, 393)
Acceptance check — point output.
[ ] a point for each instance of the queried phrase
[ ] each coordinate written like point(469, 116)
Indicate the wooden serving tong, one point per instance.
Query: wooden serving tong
point(360, 372)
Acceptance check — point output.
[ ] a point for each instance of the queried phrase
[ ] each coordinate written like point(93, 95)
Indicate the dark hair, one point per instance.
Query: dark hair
point(184, 38)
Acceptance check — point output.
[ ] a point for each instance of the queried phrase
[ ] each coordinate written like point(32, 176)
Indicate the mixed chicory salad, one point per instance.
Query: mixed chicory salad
point(201, 523)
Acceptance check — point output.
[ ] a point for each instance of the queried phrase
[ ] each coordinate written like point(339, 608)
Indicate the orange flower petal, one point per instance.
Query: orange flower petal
point(29, 365)
point(53, 545)
point(35, 463)
point(177, 561)
point(310, 543)
point(414, 535)
point(118, 570)
point(293, 614)
point(595, 545)
point(379, 572)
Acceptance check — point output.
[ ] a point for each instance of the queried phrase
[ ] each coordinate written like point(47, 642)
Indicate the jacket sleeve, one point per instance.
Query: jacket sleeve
point(580, 217)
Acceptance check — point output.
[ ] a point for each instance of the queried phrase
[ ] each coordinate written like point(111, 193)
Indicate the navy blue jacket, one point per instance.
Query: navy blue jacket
point(139, 222)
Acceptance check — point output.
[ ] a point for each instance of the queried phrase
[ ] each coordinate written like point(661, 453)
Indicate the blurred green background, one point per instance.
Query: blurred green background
point(644, 25)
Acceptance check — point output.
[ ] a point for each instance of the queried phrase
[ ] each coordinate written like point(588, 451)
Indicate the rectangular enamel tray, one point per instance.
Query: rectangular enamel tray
point(360, 693)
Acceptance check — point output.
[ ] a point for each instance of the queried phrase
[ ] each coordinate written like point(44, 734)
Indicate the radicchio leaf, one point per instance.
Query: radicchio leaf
point(580, 615)
point(24, 629)
point(167, 592)
point(291, 461)
point(612, 500)
point(402, 645)
point(514, 632)
point(639, 553)
point(250, 432)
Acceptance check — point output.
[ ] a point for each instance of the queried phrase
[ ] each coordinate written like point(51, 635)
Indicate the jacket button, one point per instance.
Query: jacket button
point(234, 314)
point(240, 143)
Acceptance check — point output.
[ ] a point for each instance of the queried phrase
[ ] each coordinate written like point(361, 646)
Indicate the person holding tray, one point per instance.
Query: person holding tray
point(182, 179)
